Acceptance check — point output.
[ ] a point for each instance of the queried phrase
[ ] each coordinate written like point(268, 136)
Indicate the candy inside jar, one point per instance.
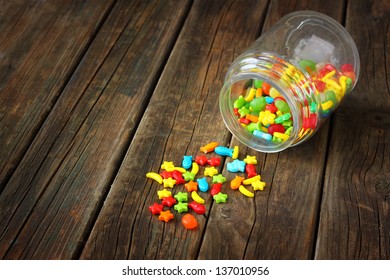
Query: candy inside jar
point(278, 92)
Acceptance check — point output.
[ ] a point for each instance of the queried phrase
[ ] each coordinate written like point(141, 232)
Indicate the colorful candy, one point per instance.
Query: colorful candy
point(198, 208)
point(165, 216)
point(236, 182)
point(220, 197)
point(236, 166)
point(155, 176)
point(209, 147)
point(216, 188)
point(169, 183)
point(163, 193)
point(219, 179)
point(245, 191)
point(181, 207)
point(224, 151)
point(181, 197)
point(196, 197)
point(187, 162)
point(168, 201)
point(263, 111)
point(210, 171)
point(191, 186)
point(202, 184)
point(189, 221)
point(156, 208)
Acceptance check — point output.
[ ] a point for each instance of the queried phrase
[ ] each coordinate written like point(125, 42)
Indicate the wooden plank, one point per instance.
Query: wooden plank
point(40, 45)
point(183, 114)
point(280, 222)
point(53, 198)
point(355, 220)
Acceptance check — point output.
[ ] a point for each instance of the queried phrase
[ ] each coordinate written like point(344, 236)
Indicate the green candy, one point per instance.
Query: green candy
point(348, 83)
point(287, 123)
point(283, 118)
point(239, 103)
point(307, 64)
point(243, 112)
point(257, 83)
point(251, 127)
point(313, 107)
point(258, 104)
point(330, 95)
point(282, 106)
point(288, 130)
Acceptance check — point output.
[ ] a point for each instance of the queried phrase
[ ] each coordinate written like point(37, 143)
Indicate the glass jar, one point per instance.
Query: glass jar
point(279, 91)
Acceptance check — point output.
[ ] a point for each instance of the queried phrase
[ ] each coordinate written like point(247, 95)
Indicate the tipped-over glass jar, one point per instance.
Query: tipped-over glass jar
point(279, 91)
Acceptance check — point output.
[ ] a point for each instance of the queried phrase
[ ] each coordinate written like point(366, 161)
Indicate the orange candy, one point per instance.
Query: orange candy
point(189, 221)
point(209, 147)
point(236, 182)
point(266, 87)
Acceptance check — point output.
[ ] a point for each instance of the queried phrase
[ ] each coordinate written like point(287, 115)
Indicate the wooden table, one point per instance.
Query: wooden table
point(95, 94)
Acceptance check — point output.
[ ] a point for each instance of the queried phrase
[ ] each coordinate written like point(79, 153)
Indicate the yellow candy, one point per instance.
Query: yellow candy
point(236, 151)
point(343, 84)
point(329, 75)
point(246, 192)
point(266, 117)
point(327, 105)
point(251, 180)
point(250, 159)
point(250, 95)
point(195, 168)
point(195, 196)
point(163, 193)
point(274, 93)
point(282, 136)
point(155, 176)
point(169, 183)
point(333, 85)
point(258, 185)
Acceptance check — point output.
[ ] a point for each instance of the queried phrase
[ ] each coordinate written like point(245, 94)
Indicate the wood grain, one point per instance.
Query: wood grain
point(53, 197)
point(183, 115)
point(355, 221)
point(281, 221)
point(41, 43)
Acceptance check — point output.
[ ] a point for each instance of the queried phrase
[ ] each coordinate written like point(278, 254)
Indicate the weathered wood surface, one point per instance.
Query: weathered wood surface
point(54, 195)
point(355, 213)
point(95, 95)
point(41, 44)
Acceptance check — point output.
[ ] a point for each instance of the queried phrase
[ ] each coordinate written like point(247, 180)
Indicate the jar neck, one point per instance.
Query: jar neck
point(294, 85)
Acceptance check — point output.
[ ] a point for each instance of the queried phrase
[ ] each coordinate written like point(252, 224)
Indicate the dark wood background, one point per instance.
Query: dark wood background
point(95, 94)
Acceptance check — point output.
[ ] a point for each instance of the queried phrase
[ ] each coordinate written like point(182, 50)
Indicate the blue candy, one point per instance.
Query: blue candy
point(202, 184)
point(236, 166)
point(227, 152)
point(187, 162)
point(263, 135)
point(269, 100)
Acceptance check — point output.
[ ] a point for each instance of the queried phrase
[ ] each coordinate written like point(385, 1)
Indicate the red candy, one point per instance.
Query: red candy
point(235, 111)
point(347, 68)
point(244, 121)
point(320, 85)
point(156, 208)
point(271, 107)
point(201, 160)
point(176, 174)
point(276, 128)
point(197, 207)
point(169, 201)
point(215, 189)
point(250, 170)
point(165, 174)
point(214, 161)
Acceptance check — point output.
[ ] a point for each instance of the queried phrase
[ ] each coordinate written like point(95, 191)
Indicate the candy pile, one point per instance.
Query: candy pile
point(262, 110)
point(185, 174)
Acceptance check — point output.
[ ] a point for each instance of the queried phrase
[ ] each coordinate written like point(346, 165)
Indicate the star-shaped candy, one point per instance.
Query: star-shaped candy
point(201, 160)
point(181, 197)
point(181, 207)
point(191, 186)
point(258, 185)
point(165, 174)
point(163, 193)
point(219, 179)
point(266, 117)
point(156, 208)
point(210, 171)
point(188, 176)
point(220, 197)
point(165, 216)
point(250, 159)
point(214, 161)
point(169, 183)
point(168, 201)
point(168, 166)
